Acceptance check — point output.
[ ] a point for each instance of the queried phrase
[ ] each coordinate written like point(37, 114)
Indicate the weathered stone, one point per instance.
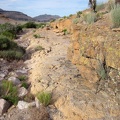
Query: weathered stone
point(24, 105)
point(22, 92)
point(14, 80)
point(4, 106)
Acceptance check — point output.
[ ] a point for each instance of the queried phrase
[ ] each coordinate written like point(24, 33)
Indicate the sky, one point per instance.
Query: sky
point(38, 7)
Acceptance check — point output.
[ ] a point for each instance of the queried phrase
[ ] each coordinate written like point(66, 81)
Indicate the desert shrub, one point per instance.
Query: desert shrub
point(36, 36)
point(9, 30)
point(41, 25)
point(39, 48)
point(30, 25)
point(44, 98)
point(100, 6)
point(10, 49)
point(11, 55)
point(65, 31)
point(9, 92)
point(76, 20)
point(115, 16)
point(90, 18)
point(79, 14)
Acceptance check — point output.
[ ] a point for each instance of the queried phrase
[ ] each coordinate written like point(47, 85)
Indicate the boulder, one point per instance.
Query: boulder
point(22, 92)
point(14, 80)
point(24, 105)
point(4, 105)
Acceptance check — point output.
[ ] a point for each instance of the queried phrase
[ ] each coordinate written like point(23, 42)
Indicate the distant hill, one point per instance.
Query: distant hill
point(46, 18)
point(15, 15)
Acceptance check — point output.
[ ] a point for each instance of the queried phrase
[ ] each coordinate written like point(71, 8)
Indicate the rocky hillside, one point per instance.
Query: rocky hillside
point(46, 18)
point(16, 15)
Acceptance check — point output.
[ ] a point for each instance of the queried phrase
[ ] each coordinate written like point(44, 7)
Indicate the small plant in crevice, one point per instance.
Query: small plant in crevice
point(36, 36)
point(44, 98)
point(25, 85)
point(22, 77)
point(9, 92)
point(39, 48)
point(65, 31)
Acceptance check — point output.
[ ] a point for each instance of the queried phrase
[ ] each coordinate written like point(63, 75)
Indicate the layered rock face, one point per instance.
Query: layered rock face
point(95, 50)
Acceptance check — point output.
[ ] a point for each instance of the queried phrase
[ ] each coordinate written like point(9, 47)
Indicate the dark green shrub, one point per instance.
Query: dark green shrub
point(44, 98)
point(9, 92)
point(4, 43)
point(79, 14)
point(41, 25)
point(30, 25)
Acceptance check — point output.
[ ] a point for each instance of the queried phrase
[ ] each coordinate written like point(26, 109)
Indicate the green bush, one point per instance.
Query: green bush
point(115, 16)
point(44, 98)
point(9, 30)
point(65, 31)
point(30, 25)
point(90, 18)
point(41, 25)
point(9, 92)
point(10, 49)
point(79, 14)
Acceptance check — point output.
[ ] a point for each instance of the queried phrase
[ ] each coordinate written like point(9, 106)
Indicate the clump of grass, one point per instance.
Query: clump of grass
point(44, 98)
point(115, 16)
point(9, 92)
point(65, 31)
point(39, 48)
point(90, 18)
point(22, 77)
point(25, 85)
point(36, 36)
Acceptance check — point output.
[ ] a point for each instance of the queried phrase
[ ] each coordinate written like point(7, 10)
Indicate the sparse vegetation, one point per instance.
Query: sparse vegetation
point(76, 20)
point(10, 31)
point(90, 18)
point(115, 16)
point(36, 36)
point(65, 31)
point(44, 98)
point(10, 49)
point(25, 85)
point(79, 14)
point(30, 25)
point(39, 48)
point(22, 77)
point(9, 92)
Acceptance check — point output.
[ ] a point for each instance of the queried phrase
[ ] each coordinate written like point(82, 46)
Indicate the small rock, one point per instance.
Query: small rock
point(23, 105)
point(15, 80)
point(22, 92)
point(4, 105)
point(37, 102)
